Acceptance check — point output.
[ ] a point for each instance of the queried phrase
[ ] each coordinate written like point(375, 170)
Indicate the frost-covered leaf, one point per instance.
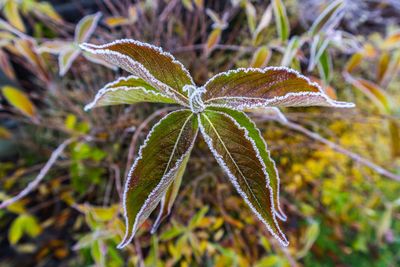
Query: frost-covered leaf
point(98, 60)
point(157, 165)
point(127, 90)
point(328, 18)
point(263, 24)
point(151, 63)
point(273, 177)
point(238, 155)
point(291, 51)
point(281, 19)
point(66, 58)
point(169, 198)
point(273, 86)
point(54, 46)
point(85, 27)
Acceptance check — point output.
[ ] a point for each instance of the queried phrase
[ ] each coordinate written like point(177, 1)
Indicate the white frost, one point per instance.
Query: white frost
point(220, 160)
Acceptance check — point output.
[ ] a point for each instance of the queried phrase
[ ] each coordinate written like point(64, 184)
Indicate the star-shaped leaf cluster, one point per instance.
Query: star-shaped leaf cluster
point(216, 111)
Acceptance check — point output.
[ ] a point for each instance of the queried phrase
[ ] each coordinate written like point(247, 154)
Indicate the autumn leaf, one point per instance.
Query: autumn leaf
point(158, 163)
point(19, 100)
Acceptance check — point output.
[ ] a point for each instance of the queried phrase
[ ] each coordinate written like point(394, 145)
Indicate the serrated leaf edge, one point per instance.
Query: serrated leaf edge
point(169, 90)
point(265, 101)
point(284, 242)
point(126, 240)
point(278, 211)
point(107, 89)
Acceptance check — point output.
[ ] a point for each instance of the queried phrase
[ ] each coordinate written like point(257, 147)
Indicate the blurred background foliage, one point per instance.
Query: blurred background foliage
point(341, 212)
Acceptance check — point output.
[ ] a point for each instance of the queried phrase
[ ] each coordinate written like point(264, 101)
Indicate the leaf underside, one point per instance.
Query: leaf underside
point(273, 86)
point(238, 155)
point(128, 90)
point(148, 62)
point(159, 161)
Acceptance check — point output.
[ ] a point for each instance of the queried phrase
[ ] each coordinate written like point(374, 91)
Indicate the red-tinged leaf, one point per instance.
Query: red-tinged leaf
point(254, 134)
point(27, 49)
point(85, 27)
point(169, 198)
point(156, 167)
point(128, 90)
point(19, 100)
point(5, 65)
point(256, 88)
point(238, 155)
point(10, 11)
point(151, 63)
point(66, 58)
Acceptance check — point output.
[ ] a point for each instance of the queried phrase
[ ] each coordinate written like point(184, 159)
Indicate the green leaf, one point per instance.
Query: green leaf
point(66, 58)
point(330, 13)
point(23, 224)
point(281, 19)
point(325, 66)
point(169, 198)
point(257, 88)
point(86, 26)
point(151, 63)
point(127, 90)
point(238, 155)
point(157, 165)
point(263, 24)
point(291, 51)
point(253, 133)
point(54, 46)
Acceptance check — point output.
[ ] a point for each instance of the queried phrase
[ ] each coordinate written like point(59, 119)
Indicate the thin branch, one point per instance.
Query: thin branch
point(33, 184)
point(340, 149)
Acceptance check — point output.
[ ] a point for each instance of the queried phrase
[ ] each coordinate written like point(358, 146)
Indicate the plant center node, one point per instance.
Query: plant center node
point(195, 102)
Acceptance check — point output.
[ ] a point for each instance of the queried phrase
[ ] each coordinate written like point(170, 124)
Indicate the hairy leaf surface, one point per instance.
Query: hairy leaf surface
point(159, 161)
point(127, 90)
point(273, 177)
point(273, 86)
point(151, 63)
point(238, 155)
